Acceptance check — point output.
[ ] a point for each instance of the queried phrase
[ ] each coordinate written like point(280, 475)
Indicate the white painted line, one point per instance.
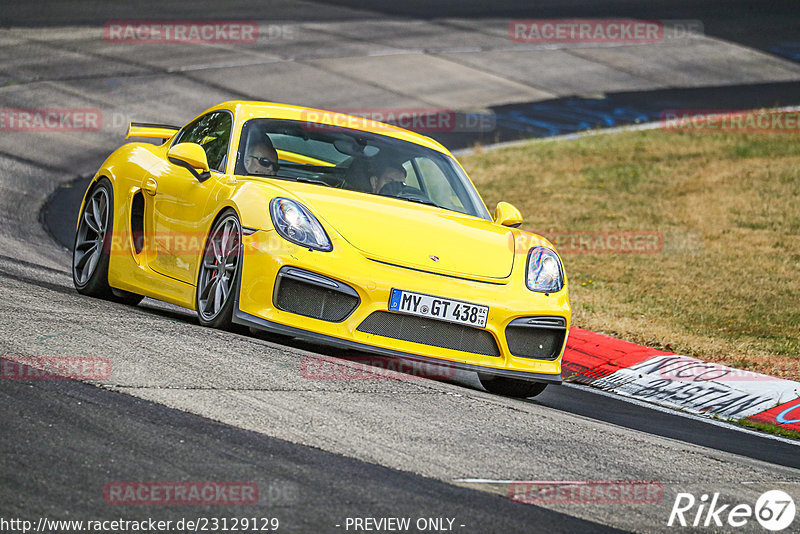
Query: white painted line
point(483, 481)
point(392, 52)
point(226, 65)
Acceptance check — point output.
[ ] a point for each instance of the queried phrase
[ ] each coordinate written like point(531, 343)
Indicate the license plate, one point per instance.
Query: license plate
point(450, 310)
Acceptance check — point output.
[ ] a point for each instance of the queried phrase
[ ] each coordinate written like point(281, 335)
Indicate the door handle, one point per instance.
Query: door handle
point(150, 186)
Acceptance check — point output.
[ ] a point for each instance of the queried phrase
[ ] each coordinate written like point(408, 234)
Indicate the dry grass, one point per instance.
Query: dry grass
point(769, 428)
point(725, 288)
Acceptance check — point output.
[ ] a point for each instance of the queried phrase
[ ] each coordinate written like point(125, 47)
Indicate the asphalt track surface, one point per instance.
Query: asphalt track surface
point(62, 442)
point(186, 403)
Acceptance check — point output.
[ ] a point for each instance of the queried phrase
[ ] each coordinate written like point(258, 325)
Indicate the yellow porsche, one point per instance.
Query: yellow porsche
point(324, 226)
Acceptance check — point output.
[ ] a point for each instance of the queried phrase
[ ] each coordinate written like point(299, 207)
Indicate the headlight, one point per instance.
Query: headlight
point(544, 271)
point(296, 224)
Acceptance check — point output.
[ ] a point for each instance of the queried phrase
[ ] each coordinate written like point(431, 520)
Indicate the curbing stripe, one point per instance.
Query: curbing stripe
point(590, 356)
point(679, 382)
point(785, 415)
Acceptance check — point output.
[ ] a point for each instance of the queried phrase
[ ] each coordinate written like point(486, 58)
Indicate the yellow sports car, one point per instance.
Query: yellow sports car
point(319, 225)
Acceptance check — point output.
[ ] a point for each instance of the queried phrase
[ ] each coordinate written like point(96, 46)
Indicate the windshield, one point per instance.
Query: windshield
point(359, 161)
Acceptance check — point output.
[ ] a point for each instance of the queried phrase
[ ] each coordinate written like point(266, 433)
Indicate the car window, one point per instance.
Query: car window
point(297, 145)
point(361, 161)
point(211, 131)
point(411, 175)
point(438, 186)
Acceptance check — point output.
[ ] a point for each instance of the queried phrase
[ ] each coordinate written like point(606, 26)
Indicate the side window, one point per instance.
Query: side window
point(437, 185)
point(212, 132)
point(412, 179)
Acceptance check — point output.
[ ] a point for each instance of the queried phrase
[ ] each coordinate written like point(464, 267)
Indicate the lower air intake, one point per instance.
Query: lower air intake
point(539, 338)
point(430, 332)
point(302, 293)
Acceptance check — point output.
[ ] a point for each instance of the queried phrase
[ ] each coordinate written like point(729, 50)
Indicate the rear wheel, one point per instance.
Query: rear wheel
point(511, 387)
point(92, 247)
point(219, 271)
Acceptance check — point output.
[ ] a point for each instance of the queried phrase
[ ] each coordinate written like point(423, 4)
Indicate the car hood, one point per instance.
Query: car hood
point(414, 235)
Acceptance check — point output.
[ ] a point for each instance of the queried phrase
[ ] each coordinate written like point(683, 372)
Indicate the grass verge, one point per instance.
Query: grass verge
point(725, 284)
point(769, 428)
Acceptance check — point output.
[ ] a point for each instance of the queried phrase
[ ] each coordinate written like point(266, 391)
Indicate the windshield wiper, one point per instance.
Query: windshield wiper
point(309, 180)
point(420, 201)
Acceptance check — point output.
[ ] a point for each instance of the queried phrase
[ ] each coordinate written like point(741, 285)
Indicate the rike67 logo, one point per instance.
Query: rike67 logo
point(774, 510)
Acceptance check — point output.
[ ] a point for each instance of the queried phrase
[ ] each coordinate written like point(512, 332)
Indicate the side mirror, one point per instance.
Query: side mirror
point(192, 157)
point(507, 215)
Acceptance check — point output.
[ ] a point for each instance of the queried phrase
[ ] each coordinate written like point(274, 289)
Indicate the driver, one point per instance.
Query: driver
point(383, 180)
point(262, 158)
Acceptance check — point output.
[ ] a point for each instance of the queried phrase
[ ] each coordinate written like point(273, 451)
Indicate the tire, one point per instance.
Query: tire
point(511, 387)
point(218, 277)
point(92, 247)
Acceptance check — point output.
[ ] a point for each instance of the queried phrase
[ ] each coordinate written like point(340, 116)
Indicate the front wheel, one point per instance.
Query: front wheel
point(92, 247)
point(510, 387)
point(219, 271)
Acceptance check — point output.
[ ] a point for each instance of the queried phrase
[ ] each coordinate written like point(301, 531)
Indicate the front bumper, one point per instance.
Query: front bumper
point(370, 282)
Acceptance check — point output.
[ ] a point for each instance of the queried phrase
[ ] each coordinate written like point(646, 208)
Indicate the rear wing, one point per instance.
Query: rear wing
point(146, 129)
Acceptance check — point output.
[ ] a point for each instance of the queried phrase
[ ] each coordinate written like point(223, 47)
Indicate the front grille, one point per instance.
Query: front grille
point(539, 338)
point(305, 296)
point(430, 332)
